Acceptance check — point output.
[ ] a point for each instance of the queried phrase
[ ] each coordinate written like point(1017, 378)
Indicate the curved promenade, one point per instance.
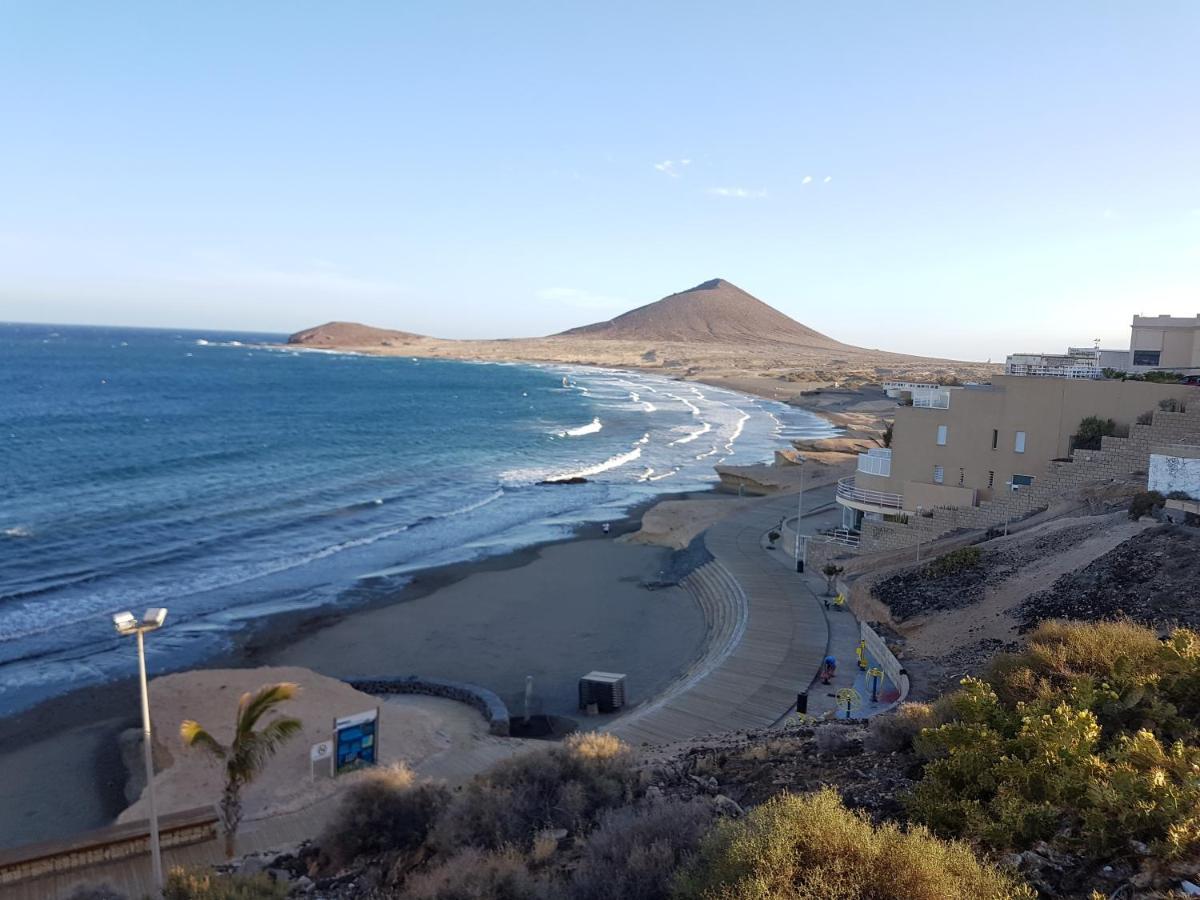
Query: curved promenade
point(750, 675)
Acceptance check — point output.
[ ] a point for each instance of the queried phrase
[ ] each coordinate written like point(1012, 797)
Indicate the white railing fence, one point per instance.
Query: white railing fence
point(847, 491)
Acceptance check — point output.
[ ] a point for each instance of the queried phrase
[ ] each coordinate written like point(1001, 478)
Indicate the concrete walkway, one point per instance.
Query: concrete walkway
point(780, 648)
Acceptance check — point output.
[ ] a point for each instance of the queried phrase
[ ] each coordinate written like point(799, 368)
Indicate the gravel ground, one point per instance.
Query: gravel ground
point(1153, 578)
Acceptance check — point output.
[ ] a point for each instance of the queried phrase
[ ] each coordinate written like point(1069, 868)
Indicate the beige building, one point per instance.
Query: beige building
point(1165, 342)
point(956, 447)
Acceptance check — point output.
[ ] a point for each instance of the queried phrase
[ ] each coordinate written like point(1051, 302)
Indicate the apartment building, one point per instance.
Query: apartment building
point(959, 446)
point(1165, 342)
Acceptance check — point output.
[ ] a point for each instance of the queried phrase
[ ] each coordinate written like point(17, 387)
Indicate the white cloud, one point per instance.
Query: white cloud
point(739, 192)
point(581, 299)
point(807, 179)
point(828, 178)
point(672, 167)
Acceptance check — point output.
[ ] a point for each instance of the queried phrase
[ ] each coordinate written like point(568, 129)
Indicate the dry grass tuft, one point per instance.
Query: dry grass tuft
point(813, 848)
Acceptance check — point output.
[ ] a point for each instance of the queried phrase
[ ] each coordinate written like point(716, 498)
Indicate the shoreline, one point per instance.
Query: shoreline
point(84, 785)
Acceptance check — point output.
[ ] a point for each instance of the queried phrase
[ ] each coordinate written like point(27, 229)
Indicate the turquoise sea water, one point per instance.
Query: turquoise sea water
point(227, 476)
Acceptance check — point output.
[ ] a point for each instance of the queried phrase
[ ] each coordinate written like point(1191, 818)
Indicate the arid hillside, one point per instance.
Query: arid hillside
point(714, 332)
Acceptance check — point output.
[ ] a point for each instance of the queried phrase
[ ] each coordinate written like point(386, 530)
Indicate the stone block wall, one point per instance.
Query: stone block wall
point(490, 706)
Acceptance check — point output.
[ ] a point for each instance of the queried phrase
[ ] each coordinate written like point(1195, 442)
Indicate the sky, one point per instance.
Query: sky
point(954, 179)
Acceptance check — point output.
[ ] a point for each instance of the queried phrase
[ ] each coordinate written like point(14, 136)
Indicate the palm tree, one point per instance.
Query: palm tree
point(248, 752)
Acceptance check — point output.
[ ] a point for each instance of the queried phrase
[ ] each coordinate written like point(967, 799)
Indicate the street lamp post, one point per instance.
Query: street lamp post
point(918, 523)
point(799, 514)
point(127, 623)
point(1012, 489)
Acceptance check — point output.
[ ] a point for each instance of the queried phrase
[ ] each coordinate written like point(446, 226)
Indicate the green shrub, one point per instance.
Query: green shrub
point(385, 810)
point(1146, 418)
point(813, 848)
point(954, 562)
point(474, 874)
point(635, 852)
point(1086, 739)
point(1144, 503)
point(204, 884)
point(1091, 432)
point(565, 786)
point(1169, 404)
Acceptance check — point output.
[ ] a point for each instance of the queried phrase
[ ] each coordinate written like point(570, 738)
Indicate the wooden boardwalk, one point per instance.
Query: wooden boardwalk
point(750, 676)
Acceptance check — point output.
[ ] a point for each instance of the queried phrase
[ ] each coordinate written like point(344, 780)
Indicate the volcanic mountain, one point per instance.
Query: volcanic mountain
point(715, 312)
point(352, 334)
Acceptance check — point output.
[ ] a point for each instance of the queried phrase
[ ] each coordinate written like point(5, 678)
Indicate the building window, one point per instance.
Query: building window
point(991, 479)
point(1146, 357)
point(962, 476)
point(995, 438)
point(1019, 443)
point(941, 437)
point(939, 475)
point(1019, 481)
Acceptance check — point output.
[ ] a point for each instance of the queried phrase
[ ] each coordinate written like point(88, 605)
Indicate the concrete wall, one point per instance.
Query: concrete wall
point(1169, 473)
point(490, 706)
point(1047, 410)
point(1177, 339)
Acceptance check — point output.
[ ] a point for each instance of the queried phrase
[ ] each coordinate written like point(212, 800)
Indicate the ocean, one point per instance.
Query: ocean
point(228, 476)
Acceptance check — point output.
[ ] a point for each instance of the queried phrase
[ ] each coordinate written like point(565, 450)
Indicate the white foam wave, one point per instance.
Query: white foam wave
point(737, 430)
point(691, 436)
point(471, 507)
point(591, 428)
point(664, 475)
point(635, 397)
point(688, 403)
point(645, 476)
point(644, 439)
point(201, 342)
point(17, 531)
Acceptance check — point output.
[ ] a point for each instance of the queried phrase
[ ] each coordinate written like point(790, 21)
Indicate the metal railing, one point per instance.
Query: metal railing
point(932, 400)
point(875, 462)
point(882, 499)
point(842, 536)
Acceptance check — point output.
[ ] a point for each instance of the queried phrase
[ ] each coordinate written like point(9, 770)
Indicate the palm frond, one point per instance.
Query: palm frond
point(255, 749)
point(254, 706)
point(194, 735)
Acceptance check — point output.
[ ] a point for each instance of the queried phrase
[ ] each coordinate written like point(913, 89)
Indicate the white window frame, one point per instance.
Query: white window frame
point(1019, 442)
point(943, 432)
point(939, 475)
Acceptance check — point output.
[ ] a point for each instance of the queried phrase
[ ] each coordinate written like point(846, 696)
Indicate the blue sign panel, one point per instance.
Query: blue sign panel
point(355, 743)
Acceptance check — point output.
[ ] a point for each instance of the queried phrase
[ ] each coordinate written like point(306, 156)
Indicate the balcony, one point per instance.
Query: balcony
point(870, 501)
point(876, 462)
point(931, 399)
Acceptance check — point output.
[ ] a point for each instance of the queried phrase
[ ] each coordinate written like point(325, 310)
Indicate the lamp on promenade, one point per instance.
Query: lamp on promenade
point(127, 623)
point(799, 513)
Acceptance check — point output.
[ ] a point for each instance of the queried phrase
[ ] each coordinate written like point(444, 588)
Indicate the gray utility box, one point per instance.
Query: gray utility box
point(605, 689)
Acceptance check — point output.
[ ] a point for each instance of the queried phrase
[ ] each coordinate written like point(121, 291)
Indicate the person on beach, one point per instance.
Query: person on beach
point(828, 669)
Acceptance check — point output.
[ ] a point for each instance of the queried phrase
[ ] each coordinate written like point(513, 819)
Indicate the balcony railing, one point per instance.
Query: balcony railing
point(931, 399)
point(875, 462)
point(880, 499)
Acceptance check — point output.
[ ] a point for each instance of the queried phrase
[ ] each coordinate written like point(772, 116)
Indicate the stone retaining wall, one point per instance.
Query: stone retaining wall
point(490, 706)
point(105, 845)
point(879, 651)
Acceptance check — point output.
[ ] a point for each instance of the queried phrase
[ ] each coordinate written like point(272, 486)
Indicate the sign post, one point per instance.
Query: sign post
point(318, 754)
point(355, 740)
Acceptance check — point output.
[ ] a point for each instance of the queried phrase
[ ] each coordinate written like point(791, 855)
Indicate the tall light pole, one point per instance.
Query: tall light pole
point(1012, 489)
point(799, 514)
point(127, 623)
point(918, 534)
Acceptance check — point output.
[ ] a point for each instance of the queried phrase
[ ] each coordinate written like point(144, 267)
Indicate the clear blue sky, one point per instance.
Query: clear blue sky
point(950, 178)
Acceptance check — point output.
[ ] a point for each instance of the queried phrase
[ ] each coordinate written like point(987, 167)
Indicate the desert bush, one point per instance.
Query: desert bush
point(204, 884)
point(888, 433)
point(1091, 431)
point(1086, 739)
point(897, 729)
point(813, 848)
point(1144, 503)
point(836, 738)
point(635, 852)
point(955, 561)
point(1146, 418)
point(565, 786)
point(387, 809)
point(473, 874)
point(1169, 404)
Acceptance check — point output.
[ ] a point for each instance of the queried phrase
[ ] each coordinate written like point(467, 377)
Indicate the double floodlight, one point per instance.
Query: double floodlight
point(127, 623)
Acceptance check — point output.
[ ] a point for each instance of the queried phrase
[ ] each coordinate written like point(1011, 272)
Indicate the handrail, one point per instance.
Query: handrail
point(847, 491)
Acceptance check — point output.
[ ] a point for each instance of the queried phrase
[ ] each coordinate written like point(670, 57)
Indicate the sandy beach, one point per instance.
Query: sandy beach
point(554, 612)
